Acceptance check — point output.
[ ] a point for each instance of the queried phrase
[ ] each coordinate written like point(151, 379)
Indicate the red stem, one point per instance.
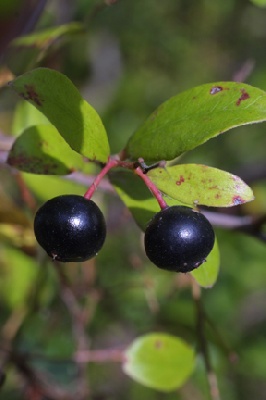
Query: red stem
point(110, 164)
point(117, 163)
point(150, 185)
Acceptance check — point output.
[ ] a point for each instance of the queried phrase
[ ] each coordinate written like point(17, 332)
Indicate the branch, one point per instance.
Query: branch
point(100, 356)
point(78, 327)
point(38, 382)
point(211, 376)
point(248, 224)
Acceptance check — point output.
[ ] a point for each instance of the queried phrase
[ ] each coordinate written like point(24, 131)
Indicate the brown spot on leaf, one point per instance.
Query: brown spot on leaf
point(32, 164)
point(158, 344)
point(216, 89)
point(180, 181)
point(31, 94)
point(237, 200)
point(244, 96)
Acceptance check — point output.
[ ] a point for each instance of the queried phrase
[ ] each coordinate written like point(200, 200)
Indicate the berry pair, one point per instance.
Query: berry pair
point(72, 228)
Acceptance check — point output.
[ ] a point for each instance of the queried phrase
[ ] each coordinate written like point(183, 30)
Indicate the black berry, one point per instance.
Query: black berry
point(70, 228)
point(178, 239)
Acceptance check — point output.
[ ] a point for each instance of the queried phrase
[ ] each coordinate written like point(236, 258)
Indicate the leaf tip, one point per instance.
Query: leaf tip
point(237, 200)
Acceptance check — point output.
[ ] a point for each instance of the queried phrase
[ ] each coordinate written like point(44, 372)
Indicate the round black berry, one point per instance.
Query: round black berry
point(178, 239)
point(70, 228)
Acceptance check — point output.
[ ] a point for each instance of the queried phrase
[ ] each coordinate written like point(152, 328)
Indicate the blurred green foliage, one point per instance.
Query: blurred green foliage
point(133, 56)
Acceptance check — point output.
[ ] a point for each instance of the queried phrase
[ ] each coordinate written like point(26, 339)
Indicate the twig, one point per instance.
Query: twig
point(230, 354)
point(227, 220)
point(81, 356)
point(78, 326)
point(100, 356)
point(38, 382)
point(244, 71)
point(152, 187)
point(211, 376)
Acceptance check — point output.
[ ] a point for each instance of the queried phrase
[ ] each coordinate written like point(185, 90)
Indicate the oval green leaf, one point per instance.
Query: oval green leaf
point(206, 275)
point(59, 100)
point(42, 150)
point(159, 361)
point(199, 184)
point(191, 118)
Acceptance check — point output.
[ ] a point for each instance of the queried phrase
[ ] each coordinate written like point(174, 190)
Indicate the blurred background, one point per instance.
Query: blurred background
point(126, 57)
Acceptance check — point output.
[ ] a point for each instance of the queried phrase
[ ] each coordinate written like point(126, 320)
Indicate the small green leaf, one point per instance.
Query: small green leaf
point(159, 361)
point(46, 37)
point(200, 184)
point(206, 275)
point(195, 116)
point(42, 150)
point(59, 100)
point(136, 196)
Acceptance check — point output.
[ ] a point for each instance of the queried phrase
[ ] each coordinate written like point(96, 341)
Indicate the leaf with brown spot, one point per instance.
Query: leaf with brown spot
point(42, 150)
point(58, 99)
point(200, 184)
point(159, 361)
point(190, 118)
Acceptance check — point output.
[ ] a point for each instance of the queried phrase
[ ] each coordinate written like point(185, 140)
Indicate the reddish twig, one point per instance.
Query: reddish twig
point(152, 187)
point(110, 164)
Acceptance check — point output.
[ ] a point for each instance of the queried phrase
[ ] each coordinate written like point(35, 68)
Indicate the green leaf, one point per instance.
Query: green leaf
point(199, 184)
point(206, 275)
point(9, 8)
point(26, 115)
point(259, 3)
point(42, 150)
point(45, 187)
point(59, 100)
point(46, 37)
point(17, 277)
point(159, 361)
point(195, 116)
point(136, 196)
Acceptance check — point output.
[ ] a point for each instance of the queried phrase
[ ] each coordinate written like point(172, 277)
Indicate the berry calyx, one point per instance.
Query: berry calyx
point(70, 228)
point(178, 239)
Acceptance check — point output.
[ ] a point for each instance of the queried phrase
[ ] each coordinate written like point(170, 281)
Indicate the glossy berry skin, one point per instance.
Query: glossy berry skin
point(70, 228)
point(178, 239)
